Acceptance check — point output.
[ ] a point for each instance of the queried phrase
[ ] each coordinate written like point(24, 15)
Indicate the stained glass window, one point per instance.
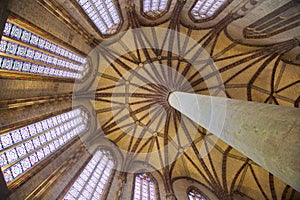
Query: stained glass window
point(91, 182)
point(144, 188)
point(204, 9)
point(195, 194)
point(24, 51)
point(103, 13)
point(154, 8)
point(25, 147)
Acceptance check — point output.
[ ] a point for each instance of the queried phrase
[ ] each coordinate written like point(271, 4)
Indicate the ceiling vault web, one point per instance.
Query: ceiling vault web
point(146, 53)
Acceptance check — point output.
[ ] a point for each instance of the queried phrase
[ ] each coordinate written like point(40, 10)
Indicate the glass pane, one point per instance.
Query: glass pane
point(154, 8)
point(206, 8)
point(195, 194)
point(144, 187)
point(91, 181)
point(52, 59)
point(27, 146)
point(103, 14)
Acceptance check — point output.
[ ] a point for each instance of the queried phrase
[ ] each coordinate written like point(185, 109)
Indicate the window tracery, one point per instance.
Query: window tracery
point(207, 9)
point(103, 14)
point(22, 50)
point(24, 148)
point(154, 8)
point(195, 194)
point(144, 187)
point(91, 182)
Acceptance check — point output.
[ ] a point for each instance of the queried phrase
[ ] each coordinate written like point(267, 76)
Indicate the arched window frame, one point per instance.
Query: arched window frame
point(154, 17)
point(28, 52)
point(154, 181)
point(105, 190)
point(197, 191)
point(91, 22)
point(45, 145)
point(214, 15)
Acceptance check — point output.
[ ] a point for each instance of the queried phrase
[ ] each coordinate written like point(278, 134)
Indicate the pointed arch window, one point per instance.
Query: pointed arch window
point(103, 13)
point(154, 8)
point(91, 183)
point(195, 194)
point(26, 147)
point(145, 187)
point(204, 10)
point(23, 50)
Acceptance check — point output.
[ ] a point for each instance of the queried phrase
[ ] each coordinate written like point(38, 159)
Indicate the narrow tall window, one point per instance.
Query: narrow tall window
point(24, 148)
point(144, 188)
point(154, 8)
point(92, 181)
point(207, 9)
point(103, 13)
point(195, 194)
point(23, 50)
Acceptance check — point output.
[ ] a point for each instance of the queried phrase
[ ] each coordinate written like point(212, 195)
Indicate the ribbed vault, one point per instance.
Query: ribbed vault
point(236, 54)
point(131, 102)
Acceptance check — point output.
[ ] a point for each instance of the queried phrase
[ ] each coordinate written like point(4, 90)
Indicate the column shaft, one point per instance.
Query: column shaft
point(267, 134)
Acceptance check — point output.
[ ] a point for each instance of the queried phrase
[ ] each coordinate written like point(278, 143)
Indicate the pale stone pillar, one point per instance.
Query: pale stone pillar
point(267, 134)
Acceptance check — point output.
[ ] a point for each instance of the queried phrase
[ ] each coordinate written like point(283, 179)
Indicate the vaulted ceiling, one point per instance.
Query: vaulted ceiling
point(248, 51)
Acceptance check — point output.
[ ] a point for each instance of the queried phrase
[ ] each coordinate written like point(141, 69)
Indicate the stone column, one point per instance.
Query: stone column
point(122, 179)
point(267, 134)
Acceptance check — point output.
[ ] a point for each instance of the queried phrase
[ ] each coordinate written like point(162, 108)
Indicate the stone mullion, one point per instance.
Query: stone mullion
point(41, 190)
point(86, 17)
point(93, 171)
point(97, 12)
point(74, 178)
point(41, 133)
point(141, 188)
point(37, 63)
point(20, 42)
point(36, 169)
point(102, 172)
point(40, 147)
point(109, 14)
